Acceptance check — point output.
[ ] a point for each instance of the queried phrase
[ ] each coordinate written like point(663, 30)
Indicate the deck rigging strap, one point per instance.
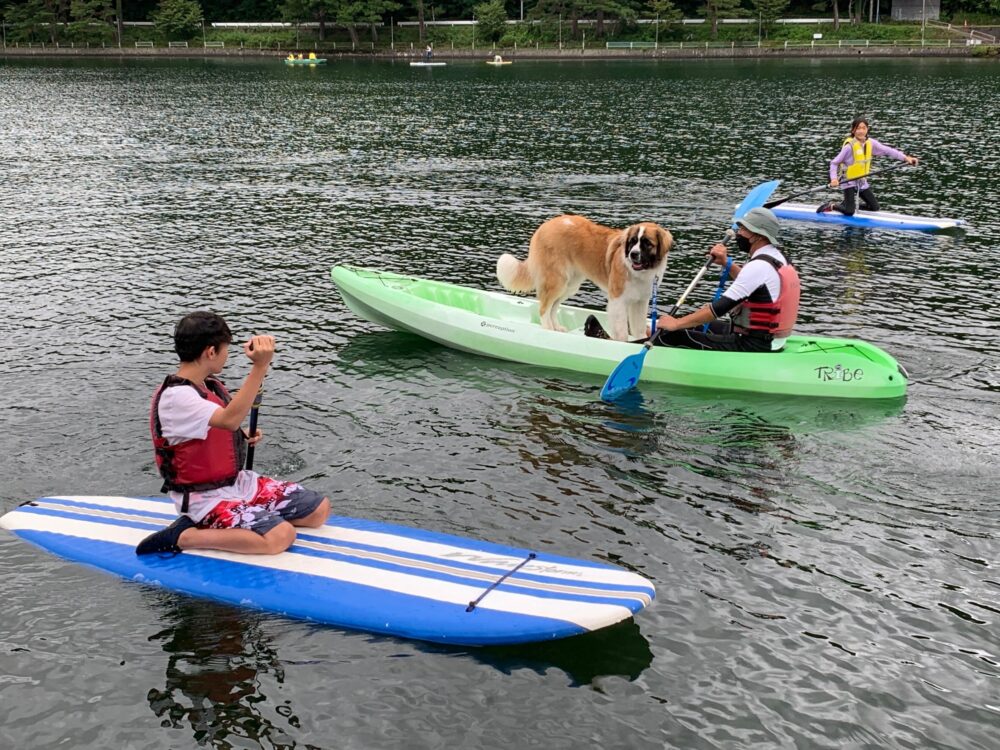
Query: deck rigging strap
point(472, 605)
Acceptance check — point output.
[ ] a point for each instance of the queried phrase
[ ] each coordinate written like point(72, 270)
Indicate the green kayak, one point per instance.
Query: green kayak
point(506, 327)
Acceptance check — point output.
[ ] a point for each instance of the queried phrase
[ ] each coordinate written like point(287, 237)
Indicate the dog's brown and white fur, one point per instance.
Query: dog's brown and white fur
point(567, 250)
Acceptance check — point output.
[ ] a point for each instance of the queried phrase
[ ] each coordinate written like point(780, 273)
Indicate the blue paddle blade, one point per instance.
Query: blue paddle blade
point(755, 198)
point(624, 377)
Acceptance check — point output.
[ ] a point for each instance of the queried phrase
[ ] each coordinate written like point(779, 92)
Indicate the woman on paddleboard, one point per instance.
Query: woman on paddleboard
point(200, 449)
point(854, 163)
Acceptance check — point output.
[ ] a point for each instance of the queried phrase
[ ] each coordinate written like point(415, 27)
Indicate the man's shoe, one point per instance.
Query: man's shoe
point(825, 208)
point(165, 540)
point(592, 328)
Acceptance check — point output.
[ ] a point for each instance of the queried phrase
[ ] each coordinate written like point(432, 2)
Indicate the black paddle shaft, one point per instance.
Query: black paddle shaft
point(779, 201)
point(254, 410)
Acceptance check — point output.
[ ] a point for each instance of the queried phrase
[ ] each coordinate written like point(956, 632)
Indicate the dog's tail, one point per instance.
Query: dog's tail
point(514, 275)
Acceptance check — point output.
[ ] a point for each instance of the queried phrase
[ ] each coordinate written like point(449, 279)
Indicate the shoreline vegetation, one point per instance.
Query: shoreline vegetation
point(177, 29)
point(862, 48)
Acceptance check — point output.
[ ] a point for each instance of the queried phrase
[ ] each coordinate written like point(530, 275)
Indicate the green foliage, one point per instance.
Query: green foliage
point(713, 10)
point(492, 21)
point(93, 20)
point(667, 13)
point(769, 11)
point(178, 19)
point(32, 21)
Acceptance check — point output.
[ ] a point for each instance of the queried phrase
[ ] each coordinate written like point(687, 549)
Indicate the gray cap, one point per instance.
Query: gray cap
point(762, 221)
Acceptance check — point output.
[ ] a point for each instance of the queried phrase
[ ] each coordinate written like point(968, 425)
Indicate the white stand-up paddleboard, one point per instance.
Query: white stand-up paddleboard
point(353, 573)
point(862, 218)
point(427, 64)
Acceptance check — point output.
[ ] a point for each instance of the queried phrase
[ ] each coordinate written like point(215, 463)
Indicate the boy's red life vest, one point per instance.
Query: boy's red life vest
point(777, 317)
point(197, 465)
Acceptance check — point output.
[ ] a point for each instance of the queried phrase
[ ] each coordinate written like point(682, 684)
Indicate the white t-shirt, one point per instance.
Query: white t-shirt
point(755, 275)
point(184, 415)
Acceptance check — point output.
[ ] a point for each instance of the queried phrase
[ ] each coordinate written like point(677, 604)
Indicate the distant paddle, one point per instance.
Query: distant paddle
point(821, 188)
point(624, 377)
point(253, 426)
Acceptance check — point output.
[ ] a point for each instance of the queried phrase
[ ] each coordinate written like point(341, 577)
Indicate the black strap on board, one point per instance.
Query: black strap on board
point(472, 605)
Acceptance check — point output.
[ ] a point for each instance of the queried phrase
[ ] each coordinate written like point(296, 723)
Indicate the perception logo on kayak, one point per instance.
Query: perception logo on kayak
point(844, 374)
point(487, 324)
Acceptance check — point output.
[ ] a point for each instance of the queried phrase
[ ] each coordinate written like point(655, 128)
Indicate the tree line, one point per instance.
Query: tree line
point(100, 20)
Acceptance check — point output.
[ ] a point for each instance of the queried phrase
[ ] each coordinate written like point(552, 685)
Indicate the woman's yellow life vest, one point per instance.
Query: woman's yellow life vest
point(862, 158)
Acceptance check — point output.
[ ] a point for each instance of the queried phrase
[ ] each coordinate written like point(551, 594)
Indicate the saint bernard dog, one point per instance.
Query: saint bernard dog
point(567, 250)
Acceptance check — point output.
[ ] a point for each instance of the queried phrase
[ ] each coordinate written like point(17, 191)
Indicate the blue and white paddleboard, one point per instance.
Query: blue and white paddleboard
point(883, 219)
point(353, 573)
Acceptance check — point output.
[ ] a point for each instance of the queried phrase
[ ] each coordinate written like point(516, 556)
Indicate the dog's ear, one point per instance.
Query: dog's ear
point(664, 239)
point(619, 241)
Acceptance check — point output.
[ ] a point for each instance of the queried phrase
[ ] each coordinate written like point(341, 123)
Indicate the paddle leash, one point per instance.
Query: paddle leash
point(254, 410)
point(624, 377)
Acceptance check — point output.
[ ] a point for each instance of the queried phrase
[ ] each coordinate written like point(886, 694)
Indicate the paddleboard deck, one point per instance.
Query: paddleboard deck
point(882, 219)
point(354, 573)
point(427, 64)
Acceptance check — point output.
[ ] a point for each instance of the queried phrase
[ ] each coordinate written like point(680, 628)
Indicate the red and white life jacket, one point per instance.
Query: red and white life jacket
point(197, 465)
point(775, 317)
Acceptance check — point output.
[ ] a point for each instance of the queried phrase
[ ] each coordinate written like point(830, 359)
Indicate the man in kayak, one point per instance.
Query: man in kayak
point(855, 162)
point(200, 450)
point(762, 301)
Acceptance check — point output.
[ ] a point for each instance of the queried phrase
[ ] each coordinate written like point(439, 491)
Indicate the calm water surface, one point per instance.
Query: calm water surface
point(826, 572)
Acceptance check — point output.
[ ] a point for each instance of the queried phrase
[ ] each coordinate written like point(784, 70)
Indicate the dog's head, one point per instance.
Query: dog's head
point(646, 245)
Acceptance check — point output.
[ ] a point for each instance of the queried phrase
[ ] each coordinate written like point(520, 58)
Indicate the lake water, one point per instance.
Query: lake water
point(826, 572)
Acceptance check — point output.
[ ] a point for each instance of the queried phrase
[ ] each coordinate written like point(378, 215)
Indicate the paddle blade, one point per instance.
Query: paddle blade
point(624, 377)
point(755, 198)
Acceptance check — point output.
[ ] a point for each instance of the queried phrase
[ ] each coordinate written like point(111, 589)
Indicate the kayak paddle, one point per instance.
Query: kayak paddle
point(253, 426)
point(624, 377)
point(626, 374)
point(779, 201)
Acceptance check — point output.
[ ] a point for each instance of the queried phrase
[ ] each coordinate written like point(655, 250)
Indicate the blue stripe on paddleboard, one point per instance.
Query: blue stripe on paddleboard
point(633, 604)
point(497, 570)
point(306, 596)
point(368, 525)
point(168, 514)
point(457, 566)
point(474, 545)
point(154, 523)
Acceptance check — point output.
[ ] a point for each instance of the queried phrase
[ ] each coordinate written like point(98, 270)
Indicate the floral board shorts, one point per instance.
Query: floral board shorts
point(274, 502)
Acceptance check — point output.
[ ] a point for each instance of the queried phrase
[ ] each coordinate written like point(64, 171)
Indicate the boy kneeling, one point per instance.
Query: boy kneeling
point(201, 448)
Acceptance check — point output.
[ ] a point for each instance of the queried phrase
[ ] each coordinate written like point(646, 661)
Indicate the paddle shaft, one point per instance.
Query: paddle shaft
point(772, 204)
point(254, 410)
point(730, 234)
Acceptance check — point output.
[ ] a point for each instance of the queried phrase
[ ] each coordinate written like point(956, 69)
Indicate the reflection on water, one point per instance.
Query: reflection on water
point(617, 651)
point(217, 657)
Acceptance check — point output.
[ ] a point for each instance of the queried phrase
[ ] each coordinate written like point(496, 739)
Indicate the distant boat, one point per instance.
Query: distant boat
point(427, 64)
point(305, 61)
